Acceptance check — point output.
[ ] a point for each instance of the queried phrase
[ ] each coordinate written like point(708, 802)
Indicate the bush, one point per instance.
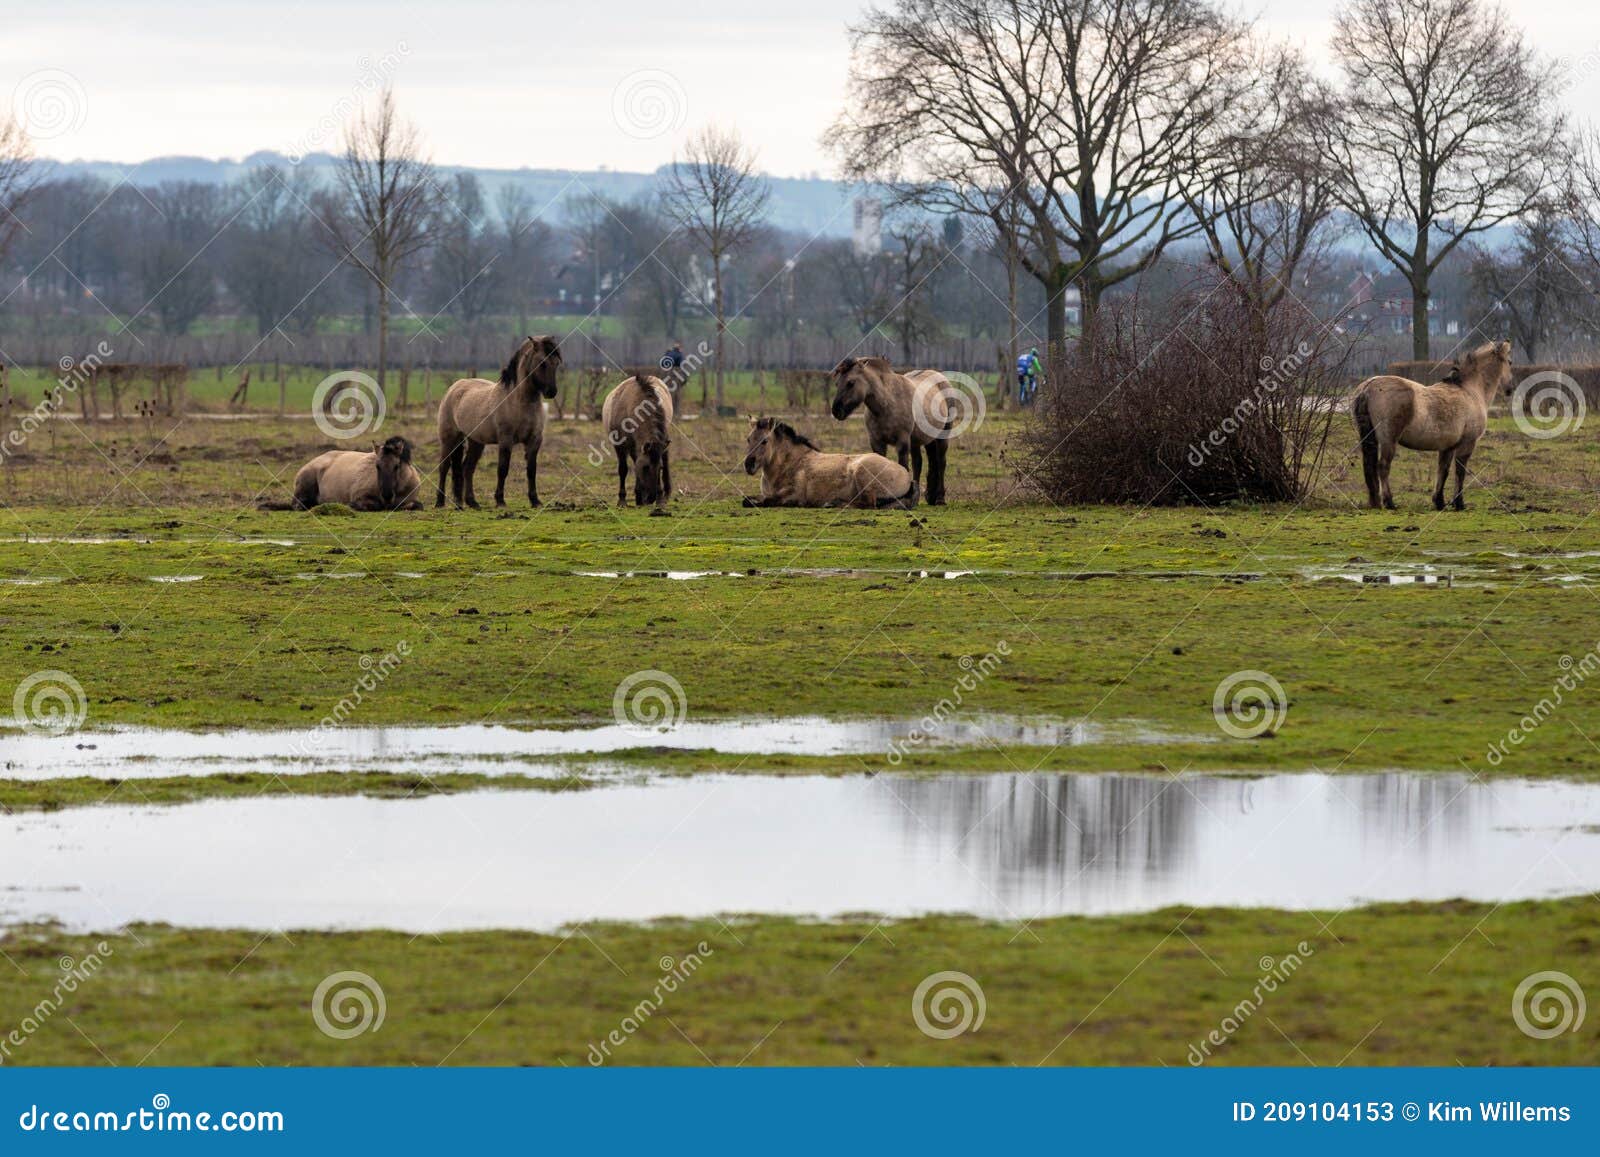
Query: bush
point(1210, 401)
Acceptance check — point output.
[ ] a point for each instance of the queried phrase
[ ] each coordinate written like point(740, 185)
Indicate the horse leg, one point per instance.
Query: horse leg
point(1445, 458)
point(622, 476)
point(1385, 460)
point(469, 470)
point(458, 472)
point(938, 452)
point(446, 456)
point(530, 451)
point(666, 478)
point(502, 468)
point(916, 462)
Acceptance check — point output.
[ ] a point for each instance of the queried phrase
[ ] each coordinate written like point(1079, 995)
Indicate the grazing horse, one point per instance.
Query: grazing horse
point(1448, 417)
point(795, 473)
point(380, 479)
point(907, 411)
point(638, 416)
point(476, 412)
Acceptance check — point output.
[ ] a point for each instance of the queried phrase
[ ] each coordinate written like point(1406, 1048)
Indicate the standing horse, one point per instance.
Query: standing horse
point(1448, 417)
point(795, 473)
point(638, 415)
point(382, 479)
point(476, 412)
point(907, 411)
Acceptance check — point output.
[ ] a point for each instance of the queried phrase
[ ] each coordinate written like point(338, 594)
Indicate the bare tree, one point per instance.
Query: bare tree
point(387, 199)
point(716, 196)
point(1450, 129)
point(1534, 284)
point(527, 245)
point(16, 179)
point(1087, 113)
point(916, 258)
point(1265, 201)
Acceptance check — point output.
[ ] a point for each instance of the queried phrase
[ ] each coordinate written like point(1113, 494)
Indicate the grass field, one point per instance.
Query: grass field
point(1115, 615)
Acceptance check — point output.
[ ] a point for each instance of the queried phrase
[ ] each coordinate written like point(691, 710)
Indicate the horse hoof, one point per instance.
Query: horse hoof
point(1438, 504)
point(660, 512)
point(1459, 505)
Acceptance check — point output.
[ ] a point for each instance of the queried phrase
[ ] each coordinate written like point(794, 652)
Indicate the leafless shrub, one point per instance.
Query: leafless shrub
point(1211, 400)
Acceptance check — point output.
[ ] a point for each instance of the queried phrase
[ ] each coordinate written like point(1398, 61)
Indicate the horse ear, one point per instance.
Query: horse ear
point(1505, 349)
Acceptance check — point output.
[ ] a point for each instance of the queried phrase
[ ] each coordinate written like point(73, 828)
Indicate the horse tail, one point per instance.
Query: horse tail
point(1368, 433)
point(907, 501)
point(276, 506)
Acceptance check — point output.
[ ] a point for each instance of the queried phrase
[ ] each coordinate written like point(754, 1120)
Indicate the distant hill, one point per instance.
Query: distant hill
point(809, 205)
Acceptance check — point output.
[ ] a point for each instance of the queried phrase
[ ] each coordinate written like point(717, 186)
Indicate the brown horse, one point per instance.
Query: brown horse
point(795, 473)
point(476, 412)
point(638, 416)
point(907, 411)
point(1448, 418)
point(380, 479)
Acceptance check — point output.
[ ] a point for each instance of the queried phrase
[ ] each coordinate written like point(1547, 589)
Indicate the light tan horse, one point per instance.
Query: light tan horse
point(476, 412)
point(638, 419)
point(1447, 417)
point(907, 411)
point(380, 479)
point(795, 473)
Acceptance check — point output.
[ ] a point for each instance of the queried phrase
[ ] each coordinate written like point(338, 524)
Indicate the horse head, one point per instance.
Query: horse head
point(537, 361)
point(854, 381)
point(392, 458)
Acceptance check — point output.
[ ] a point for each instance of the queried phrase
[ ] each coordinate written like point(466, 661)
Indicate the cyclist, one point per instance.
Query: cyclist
point(1028, 373)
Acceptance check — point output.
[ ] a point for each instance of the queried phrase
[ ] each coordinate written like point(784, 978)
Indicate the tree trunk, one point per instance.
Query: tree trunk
point(722, 325)
point(1007, 370)
point(1420, 338)
point(383, 335)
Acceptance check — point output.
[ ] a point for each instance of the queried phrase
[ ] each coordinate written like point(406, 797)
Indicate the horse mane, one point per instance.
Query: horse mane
point(651, 414)
point(398, 446)
point(786, 431)
point(508, 376)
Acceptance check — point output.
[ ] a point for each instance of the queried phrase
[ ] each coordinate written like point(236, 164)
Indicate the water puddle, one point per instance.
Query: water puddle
point(138, 540)
point(1002, 846)
point(483, 749)
point(176, 578)
point(31, 582)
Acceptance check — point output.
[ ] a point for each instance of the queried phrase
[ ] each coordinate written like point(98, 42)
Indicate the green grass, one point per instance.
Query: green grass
point(1390, 985)
point(502, 629)
point(18, 795)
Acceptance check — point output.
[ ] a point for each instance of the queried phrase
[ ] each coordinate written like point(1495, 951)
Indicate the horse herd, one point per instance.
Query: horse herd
point(906, 412)
point(910, 412)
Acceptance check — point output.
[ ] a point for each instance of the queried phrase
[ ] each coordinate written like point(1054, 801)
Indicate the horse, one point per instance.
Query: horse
point(794, 472)
point(1447, 417)
point(476, 412)
point(638, 415)
point(380, 479)
point(907, 411)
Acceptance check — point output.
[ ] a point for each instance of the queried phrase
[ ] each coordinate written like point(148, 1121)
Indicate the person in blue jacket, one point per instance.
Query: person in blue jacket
point(1028, 370)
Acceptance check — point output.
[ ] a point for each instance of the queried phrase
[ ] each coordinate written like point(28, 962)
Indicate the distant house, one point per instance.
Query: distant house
point(1382, 303)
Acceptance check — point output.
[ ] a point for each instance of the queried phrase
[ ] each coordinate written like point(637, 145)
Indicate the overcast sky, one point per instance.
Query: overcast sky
point(544, 85)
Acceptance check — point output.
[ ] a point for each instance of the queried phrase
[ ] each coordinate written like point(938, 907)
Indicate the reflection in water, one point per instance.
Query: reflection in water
point(1003, 846)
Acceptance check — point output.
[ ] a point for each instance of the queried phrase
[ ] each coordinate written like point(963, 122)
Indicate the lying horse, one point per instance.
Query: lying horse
point(907, 411)
point(638, 415)
point(1448, 417)
point(380, 479)
point(795, 473)
point(476, 412)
